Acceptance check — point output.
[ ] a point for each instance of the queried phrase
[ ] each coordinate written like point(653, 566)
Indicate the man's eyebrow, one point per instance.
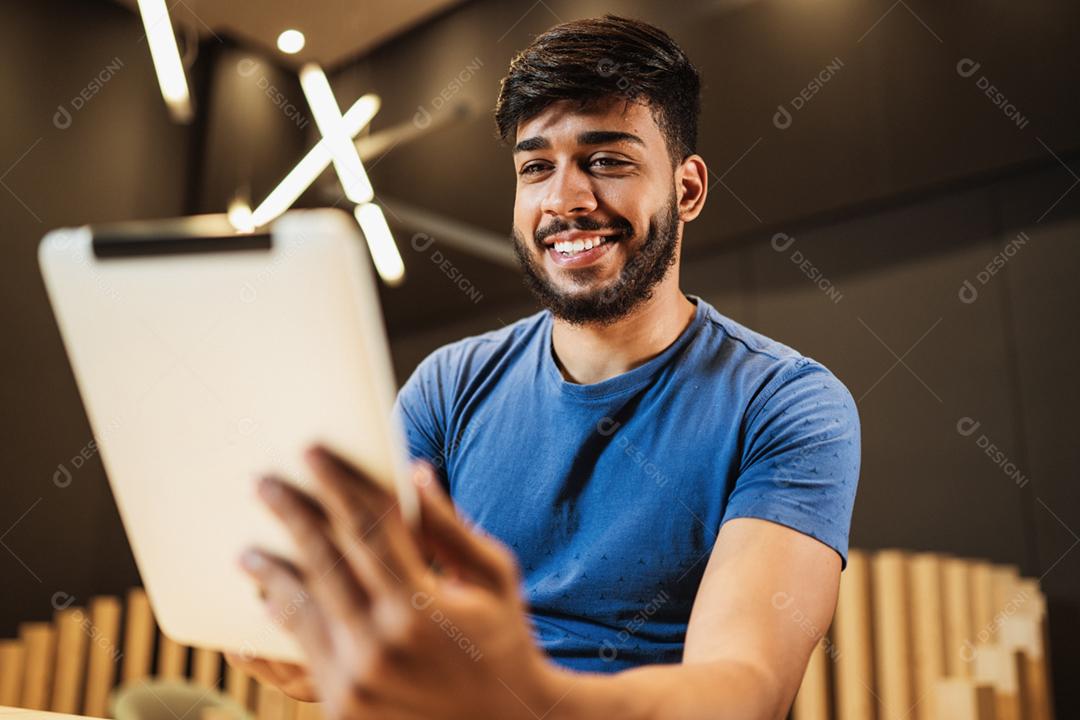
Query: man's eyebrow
point(533, 143)
point(590, 137)
point(600, 137)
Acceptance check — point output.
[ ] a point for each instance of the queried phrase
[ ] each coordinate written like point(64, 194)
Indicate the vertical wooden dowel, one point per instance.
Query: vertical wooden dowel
point(269, 703)
point(309, 711)
point(172, 659)
point(1004, 585)
point(1001, 668)
point(852, 630)
point(216, 712)
point(12, 667)
point(958, 617)
point(71, 637)
point(892, 634)
point(238, 686)
point(104, 651)
point(982, 601)
point(289, 708)
point(962, 699)
point(928, 642)
point(206, 667)
point(1023, 632)
point(1034, 606)
point(138, 637)
point(39, 640)
point(812, 702)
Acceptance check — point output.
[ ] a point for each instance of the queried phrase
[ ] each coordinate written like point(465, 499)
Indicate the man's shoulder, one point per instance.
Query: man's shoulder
point(751, 344)
point(472, 353)
point(765, 363)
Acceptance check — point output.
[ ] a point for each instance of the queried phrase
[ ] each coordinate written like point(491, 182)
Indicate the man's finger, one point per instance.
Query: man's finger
point(291, 679)
point(326, 573)
point(367, 522)
point(289, 603)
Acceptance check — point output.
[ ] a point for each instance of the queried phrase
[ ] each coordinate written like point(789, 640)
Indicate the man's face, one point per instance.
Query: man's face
point(601, 177)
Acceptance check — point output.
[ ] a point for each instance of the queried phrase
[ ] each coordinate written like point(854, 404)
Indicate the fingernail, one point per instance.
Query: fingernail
point(270, 488)
point(252, 560)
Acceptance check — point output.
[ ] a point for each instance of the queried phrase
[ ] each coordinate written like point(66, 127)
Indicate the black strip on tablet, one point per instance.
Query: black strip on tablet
point(107, 245)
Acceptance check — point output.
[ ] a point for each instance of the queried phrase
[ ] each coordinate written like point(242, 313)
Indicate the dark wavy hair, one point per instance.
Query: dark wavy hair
point(586, 61)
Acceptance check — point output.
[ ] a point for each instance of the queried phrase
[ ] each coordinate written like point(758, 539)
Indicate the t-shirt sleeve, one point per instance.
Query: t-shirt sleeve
point(419, 410)
point(800, 463)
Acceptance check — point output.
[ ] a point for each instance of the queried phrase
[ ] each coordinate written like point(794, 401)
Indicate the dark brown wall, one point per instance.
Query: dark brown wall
point(898, 180)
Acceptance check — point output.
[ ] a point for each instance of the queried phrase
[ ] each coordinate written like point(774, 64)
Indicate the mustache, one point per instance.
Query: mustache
point(619, 225)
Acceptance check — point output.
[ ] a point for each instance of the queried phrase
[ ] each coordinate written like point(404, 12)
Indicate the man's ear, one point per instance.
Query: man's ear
point(691, 186)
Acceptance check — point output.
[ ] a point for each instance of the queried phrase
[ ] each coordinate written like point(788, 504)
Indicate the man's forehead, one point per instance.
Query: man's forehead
point(566, 119)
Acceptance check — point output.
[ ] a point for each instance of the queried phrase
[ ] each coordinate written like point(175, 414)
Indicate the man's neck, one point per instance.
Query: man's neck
point(589, 354)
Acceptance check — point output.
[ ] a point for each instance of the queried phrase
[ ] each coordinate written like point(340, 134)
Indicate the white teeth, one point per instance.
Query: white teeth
point(571, 247)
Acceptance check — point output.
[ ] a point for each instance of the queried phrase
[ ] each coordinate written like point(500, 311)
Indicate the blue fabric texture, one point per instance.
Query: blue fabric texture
point(611, 494)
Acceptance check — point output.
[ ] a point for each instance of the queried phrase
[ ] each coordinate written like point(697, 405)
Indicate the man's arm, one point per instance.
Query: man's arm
point(767, 597)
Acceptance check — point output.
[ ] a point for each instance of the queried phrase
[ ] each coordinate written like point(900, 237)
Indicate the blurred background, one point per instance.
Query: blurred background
point(895, 192)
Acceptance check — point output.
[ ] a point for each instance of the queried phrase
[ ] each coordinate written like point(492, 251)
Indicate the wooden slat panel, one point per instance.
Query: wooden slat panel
point(71, 641)
point(12, 667)
point(812, 702)
point(39, 640)
point(206, 667)
point(104, 651)
point(852, 629)
point(928, 630)
point(172, 659)
point(138, 637)
point(958, 617)
point(892, 633)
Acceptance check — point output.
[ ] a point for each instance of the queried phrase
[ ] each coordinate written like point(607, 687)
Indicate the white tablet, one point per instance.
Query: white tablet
point(205, 358)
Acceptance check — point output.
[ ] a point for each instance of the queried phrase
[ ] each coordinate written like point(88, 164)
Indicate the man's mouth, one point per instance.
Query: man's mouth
point(584, 249)
point(569, 248)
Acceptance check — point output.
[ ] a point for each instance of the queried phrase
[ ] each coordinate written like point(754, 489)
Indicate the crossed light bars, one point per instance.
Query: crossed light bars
point(336, 145)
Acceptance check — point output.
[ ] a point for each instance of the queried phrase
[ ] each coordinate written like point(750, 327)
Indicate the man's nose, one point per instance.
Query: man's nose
point(569, 193)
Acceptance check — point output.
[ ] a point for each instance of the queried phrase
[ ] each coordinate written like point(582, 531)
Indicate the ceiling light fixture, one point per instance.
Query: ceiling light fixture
point(311, 166)
point(166, 57)
point(332, 127)
point(291, 41)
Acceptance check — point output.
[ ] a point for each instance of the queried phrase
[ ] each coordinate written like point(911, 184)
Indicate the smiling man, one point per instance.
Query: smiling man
point(661, 496)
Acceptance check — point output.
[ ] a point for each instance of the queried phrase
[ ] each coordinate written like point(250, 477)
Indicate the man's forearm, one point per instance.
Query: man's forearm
point(718, 690)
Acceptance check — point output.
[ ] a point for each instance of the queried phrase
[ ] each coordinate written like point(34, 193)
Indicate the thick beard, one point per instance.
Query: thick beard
point(635, 284)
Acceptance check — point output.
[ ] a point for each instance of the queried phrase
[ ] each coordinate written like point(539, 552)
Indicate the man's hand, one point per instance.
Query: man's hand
point(293, 680)
point(384, 635)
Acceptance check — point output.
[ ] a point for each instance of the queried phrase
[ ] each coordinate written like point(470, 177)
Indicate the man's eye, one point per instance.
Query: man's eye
point(608, 162)
point(532, 169)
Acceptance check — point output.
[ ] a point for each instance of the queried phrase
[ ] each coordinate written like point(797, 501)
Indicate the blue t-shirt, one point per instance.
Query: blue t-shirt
point(611, 494)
